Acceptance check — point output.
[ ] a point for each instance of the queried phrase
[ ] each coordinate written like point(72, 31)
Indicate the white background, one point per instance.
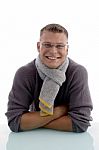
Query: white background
point(20, 23)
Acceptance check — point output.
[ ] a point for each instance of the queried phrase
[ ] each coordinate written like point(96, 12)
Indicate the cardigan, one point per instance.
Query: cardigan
point(74, 93)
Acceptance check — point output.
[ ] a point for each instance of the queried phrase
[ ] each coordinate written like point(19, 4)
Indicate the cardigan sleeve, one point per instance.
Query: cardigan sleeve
point(20, 98)
point(80, 103)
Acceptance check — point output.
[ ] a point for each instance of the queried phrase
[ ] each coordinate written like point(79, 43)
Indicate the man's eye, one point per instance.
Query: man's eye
point(47, 45)
point(60, 46)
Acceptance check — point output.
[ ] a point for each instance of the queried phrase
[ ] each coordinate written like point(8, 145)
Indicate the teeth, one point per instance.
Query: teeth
point(53, 58)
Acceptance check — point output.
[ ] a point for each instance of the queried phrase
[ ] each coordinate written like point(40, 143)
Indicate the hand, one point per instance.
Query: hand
point(60, 111)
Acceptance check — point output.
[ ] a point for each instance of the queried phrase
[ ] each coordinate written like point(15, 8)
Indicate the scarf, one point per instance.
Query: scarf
point(52, 80)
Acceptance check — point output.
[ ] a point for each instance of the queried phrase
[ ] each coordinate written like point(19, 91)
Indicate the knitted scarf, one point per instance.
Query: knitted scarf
point(52, 80)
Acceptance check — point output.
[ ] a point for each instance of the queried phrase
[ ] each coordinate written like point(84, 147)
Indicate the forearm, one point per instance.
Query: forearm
point(32, 120)
point(63, 123)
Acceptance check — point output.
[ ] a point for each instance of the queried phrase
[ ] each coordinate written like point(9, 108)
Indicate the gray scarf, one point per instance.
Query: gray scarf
point(52, 80)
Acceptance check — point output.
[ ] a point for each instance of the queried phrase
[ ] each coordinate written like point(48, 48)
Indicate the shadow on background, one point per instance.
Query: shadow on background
point(42, 139)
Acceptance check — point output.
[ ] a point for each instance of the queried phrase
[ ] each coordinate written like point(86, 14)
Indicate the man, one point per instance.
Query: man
point(51, 91)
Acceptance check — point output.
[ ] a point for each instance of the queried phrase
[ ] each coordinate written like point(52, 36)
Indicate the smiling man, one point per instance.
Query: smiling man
point(51, 91)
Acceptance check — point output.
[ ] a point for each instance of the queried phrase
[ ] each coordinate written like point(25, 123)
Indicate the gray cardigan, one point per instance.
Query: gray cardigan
point(74, 92)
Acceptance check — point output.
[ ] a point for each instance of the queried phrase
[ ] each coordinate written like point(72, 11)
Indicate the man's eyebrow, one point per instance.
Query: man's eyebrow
point(59, 43)
point(55, 43)
point(47, 42)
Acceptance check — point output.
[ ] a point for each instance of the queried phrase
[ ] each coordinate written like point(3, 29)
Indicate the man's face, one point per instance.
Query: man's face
point(52, 48)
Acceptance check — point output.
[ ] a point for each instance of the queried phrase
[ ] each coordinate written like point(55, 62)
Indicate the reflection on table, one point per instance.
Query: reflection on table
point(42, 139)
point(46, 139)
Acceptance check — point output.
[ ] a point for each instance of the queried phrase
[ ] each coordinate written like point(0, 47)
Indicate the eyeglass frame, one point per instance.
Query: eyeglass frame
point(51, 45)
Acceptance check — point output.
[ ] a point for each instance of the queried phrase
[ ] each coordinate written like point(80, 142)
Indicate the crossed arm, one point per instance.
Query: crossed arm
point(58, 121)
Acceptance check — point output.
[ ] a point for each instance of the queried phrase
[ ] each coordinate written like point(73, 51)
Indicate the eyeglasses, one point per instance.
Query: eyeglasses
point(50, 45)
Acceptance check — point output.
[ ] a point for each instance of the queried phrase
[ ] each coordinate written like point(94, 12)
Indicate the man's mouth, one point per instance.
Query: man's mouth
point(52, 58)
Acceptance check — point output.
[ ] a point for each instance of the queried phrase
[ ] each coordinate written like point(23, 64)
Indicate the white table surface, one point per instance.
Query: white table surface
point(46, 139)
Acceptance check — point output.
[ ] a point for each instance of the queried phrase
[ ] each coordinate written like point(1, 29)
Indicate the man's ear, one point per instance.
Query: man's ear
point(38, 46)
point(67, 48)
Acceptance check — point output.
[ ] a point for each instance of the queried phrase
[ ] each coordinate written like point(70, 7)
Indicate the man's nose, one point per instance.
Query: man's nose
point(53, 49)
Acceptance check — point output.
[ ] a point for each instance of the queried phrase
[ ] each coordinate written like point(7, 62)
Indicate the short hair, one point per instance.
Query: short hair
point(55, 28)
